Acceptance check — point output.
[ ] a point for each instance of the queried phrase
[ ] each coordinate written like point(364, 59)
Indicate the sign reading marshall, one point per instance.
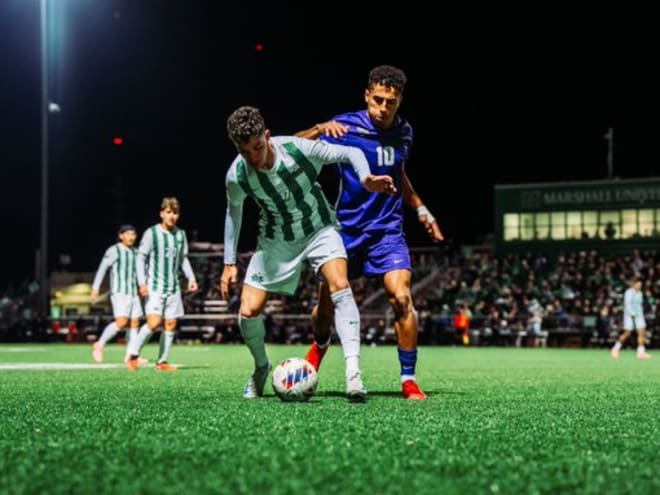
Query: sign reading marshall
point(596, 194)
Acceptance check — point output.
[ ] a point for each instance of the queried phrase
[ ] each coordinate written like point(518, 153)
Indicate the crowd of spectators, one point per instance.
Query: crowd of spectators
point(512, 300)
point(470, 297)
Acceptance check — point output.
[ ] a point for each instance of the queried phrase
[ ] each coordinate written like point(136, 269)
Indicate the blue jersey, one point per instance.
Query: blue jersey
point(359, 210)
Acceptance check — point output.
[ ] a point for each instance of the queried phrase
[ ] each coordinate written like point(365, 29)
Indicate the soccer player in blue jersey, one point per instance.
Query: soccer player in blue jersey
point(126, 305)
point(296, 225)
point(372, 224)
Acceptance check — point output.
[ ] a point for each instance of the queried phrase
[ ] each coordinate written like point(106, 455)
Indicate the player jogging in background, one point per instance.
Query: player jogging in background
point(126, 305)
point(633, 320)
point(372, 224)
point(296, 225)
point(162, 253)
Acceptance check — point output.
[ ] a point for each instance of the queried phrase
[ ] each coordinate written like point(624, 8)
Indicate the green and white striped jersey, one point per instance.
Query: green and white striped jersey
point(121, 262)
point(292, 204)
point(160, 257)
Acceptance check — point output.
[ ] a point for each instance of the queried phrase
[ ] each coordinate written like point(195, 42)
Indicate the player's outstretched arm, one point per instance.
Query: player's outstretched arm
point(330, 128)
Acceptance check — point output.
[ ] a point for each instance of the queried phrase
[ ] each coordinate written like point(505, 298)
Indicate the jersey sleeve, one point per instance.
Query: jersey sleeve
point(186, 267)
point(325, 153)
point(233, 217)
point(107, 261)
point(146, 245)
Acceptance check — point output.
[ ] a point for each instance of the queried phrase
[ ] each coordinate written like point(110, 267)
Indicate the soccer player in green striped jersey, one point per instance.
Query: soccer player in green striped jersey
point(296, 225)
point(126, 305)
point(162, 253)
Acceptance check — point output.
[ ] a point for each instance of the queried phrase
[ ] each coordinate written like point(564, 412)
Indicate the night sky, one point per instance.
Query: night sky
point(496, 94)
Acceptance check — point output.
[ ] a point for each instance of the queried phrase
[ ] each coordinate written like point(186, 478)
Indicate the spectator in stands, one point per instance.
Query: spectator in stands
point(296, 225)
point(535, 332)
point(604, 326)
point(372, 224)
point(462, 323)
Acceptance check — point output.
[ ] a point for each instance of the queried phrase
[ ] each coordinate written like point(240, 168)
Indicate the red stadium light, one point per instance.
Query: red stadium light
point(259, 47)
point(117, 141)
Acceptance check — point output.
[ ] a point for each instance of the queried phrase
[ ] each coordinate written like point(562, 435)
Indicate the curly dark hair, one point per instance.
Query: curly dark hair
point(243, 123)
point(389, 76)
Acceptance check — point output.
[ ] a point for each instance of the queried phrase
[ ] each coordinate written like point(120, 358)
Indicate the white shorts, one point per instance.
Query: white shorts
point(638, 324)
point(275, 266)
point(127, 306)
point(167, 307)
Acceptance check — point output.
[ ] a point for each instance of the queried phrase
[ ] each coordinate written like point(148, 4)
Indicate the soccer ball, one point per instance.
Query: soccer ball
point(295, 380)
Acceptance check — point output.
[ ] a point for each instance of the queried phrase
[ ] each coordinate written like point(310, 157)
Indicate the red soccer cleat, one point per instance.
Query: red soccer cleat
point(141, 361)
point(315, 354)
point(165, 366)
point(131, 364)
point(411, 391)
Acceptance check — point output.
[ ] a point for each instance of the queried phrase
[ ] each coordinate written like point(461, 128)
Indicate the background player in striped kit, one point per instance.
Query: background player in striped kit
point(162, 253)
point(126, 305)
point(296, 224)
point(372, 224)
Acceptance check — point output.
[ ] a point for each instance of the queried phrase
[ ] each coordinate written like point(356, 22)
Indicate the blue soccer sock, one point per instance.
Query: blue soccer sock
point(408, 360)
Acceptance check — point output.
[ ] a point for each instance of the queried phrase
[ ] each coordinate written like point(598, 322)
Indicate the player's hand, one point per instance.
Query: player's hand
point(380, 184)
point(192, 285)
point(430, 224)
point(94, 295)
point(331, 128)
point(228, 280)
point(434, 232)
point(143, 290)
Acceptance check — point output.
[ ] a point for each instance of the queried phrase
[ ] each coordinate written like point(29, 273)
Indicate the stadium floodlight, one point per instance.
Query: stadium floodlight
point(42, 269)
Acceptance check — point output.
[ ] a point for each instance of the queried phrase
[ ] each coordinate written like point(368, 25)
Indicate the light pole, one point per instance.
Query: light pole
point(609, 137)
point(44, 291)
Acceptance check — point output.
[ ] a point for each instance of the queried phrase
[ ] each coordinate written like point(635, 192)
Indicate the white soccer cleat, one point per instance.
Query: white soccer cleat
point(254, 388)
point(355, 391)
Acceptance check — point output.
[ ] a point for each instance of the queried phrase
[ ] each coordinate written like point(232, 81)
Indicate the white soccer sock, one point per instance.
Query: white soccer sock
point(617, 345)
point(138, 342)
point(109, 332)
point(166, 339)
point(131, 335)
point(347, 324)
point(253, 332)
point(641, 349)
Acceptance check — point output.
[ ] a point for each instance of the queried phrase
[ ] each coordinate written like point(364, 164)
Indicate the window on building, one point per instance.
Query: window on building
point(511, 226)
point(573, 225)
point(542, 224)
point(646, 223)
point(527, 226)
point(558, 225)
point(590, 224)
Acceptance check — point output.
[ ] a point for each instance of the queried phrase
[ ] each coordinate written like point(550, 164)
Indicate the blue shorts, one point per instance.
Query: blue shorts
point(376, 253)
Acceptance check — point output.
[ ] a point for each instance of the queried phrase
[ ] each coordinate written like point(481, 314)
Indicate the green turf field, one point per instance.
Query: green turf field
point(497, 421)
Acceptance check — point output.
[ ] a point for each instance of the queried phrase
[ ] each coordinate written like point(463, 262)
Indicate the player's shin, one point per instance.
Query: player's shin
point(137, 343)
point(347, 324)
point(253, 332)
point(166, 339)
